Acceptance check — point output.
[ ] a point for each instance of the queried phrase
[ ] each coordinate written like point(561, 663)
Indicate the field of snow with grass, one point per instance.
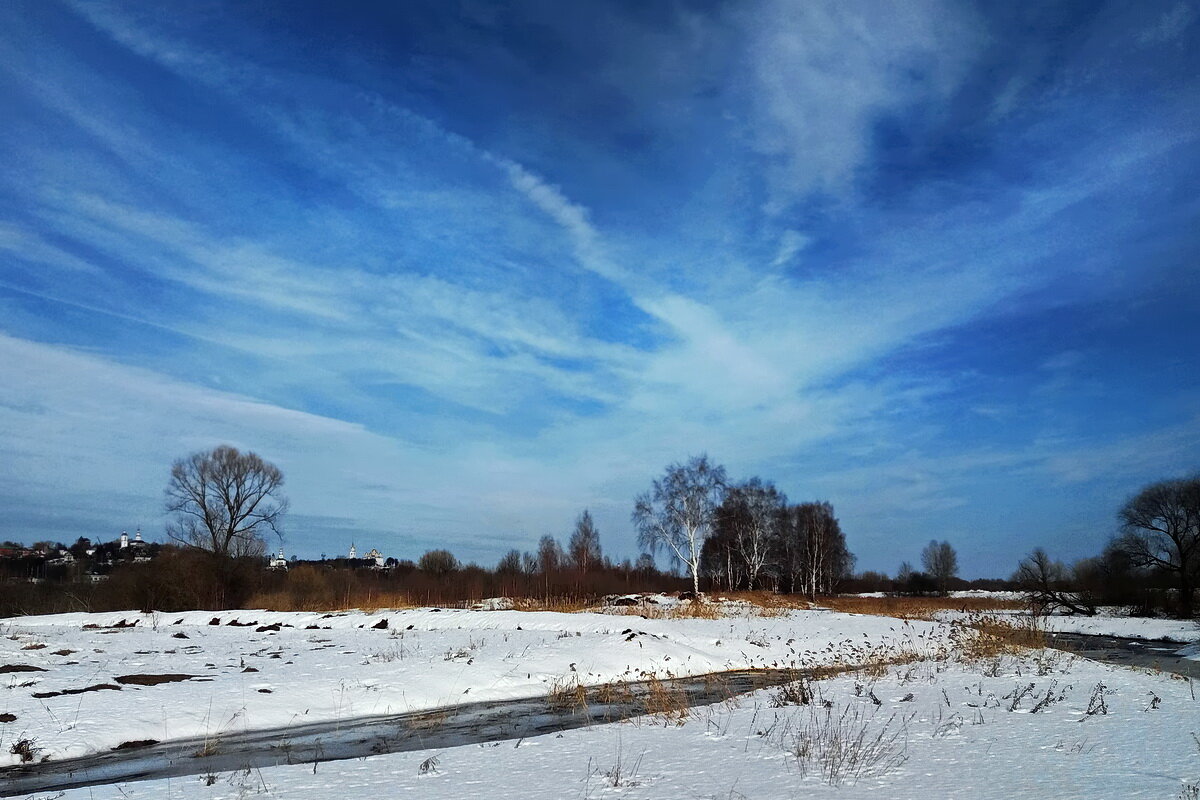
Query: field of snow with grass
point(954, 719)
point(1043, 725)
point(1106, 622)
point(76, 684)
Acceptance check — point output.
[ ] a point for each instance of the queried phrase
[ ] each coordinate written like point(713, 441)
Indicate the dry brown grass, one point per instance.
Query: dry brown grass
point(658, 698)
point(366, 601)
point(684, 610)
point(770, 604)
point(716, 606)
point(766, 604)
point(563, 605)
point(665, 701)
point(567, 696)
point(999, 636)
point(429, 720)
point(917, 607)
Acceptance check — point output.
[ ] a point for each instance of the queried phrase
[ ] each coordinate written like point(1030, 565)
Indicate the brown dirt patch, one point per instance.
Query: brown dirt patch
point(151, 680)
point(135, 743)
point(91, 626)
point(99, 687)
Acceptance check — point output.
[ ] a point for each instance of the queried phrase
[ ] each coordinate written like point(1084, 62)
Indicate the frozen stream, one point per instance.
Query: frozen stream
point(469, 723)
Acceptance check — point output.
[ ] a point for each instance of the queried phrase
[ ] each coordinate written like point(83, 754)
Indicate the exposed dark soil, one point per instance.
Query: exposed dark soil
point(151, 680)
point(99, 687)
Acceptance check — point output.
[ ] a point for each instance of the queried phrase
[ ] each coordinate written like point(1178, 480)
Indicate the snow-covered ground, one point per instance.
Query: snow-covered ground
point(1107, 622)
point(1170, 630)
point(76, 683)
point(943, 730)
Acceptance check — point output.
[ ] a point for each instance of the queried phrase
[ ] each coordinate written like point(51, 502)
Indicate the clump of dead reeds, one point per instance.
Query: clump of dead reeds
point(665, 701)
point(568, 695)
point(846, 746)
point(284, 600)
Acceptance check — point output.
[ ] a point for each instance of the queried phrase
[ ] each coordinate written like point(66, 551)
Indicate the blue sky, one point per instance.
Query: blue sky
point(463, 269)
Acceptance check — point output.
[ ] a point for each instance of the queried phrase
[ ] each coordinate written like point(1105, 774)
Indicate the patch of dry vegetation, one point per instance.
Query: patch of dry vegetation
point(368, 601)
point(999, 636)
point(917, 607)
point(654, 697)
point(562, 605)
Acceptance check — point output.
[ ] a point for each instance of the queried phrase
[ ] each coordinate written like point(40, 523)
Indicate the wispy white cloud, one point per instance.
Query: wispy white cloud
point(824, 73)
point(791, 243)
point(21, 243)
point(1170, 25)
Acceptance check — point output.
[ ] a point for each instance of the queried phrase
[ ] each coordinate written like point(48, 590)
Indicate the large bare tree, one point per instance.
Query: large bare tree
point(940, 563)
point(678, 512)
point(223, 501)
point(1161, 530)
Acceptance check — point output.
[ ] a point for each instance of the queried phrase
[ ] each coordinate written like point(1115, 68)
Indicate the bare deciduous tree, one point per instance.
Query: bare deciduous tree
point(812, 548)
point(678, 511)
point(510, 563)
point(438, 563)
point(549, 555)
point(223, 501)
point(584, 547)
point(1047, 585)
point(941, 563)
point(1161, 530)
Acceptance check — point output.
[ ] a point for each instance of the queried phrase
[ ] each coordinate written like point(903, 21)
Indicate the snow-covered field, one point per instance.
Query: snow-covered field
point(272, 669)
point(942, 731)
point(1107, 622)
point(1003, 727)
point(1169, 630)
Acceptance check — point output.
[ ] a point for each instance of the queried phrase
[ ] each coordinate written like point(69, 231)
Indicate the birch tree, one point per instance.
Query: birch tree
point(678, 512)
point(812, 549)
point(749, 517)
point(584, 547)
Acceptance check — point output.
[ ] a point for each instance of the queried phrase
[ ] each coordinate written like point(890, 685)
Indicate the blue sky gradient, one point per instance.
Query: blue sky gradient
point(463, 269)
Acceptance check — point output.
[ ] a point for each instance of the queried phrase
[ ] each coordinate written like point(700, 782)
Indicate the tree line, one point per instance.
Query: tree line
point(741, 535)
point(724, 535)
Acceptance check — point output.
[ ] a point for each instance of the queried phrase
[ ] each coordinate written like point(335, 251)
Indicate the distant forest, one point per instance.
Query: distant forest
point(721, 536)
